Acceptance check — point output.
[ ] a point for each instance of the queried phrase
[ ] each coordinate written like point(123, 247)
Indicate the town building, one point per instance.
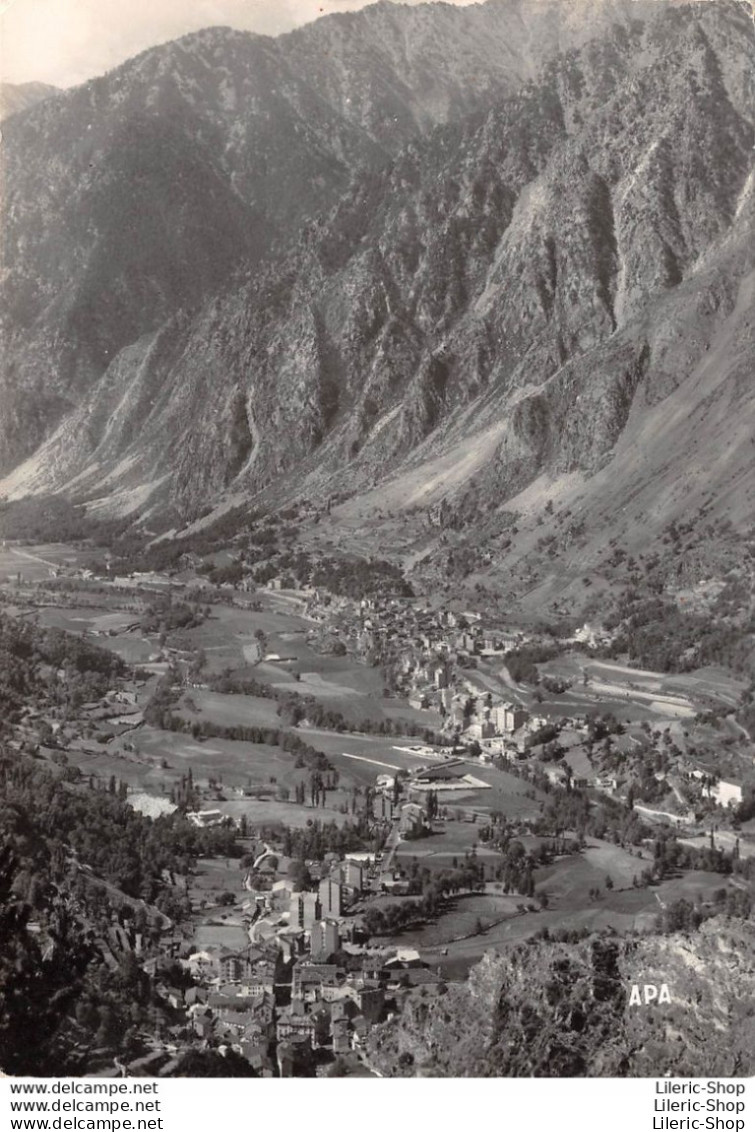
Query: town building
point(304, 910)
point(330, 897)
point(412, 820)
point(324, 940)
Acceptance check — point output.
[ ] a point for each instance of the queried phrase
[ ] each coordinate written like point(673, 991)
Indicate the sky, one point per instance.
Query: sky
point(65, 42)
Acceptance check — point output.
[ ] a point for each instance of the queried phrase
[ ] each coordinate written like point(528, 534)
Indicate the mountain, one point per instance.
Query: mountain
point(549, 1009)
point(138, 195)
point(173, 171)
point(459, 261)
point(15, 97)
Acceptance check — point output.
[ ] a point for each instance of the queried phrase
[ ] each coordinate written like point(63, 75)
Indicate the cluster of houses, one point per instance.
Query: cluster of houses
point(425, 644)
point(305, 988)
point(419, 645)
point(287, 1012)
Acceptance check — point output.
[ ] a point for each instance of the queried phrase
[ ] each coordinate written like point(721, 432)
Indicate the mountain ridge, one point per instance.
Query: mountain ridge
point(507, 283)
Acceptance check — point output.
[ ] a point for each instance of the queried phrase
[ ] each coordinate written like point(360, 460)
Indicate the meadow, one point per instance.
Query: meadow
point(505, 793)
point(227, 710)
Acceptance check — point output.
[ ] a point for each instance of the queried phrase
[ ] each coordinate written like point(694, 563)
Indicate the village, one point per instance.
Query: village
point(391, 771)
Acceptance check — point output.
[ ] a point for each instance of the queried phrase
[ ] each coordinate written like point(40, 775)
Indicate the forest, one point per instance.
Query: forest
point(82, 875)
point(64, 669)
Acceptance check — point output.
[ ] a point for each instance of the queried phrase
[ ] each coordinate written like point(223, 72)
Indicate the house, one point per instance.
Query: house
point(205, 818)
point(352, 875)
point(557, 775)
point(203, 1022)
point(726, 793)
point(439, 675)
point(398, 885)
point(281, 893)
point(195, 996)
point(404, 957)
point(294, 1056)
point(420, 977)
point(508, 717)
point(371, 1002)
point(232, 967)
point(308, 979)
point(372, 965)
point(481, 729)
point(295, 1022)
point(412, 820)
point(340, 1035)
point(382, 807)
point(360, 1029)
point(261, 979)
point(451, 770)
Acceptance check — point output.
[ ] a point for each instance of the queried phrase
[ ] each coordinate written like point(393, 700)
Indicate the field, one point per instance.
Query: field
point(436, 853)
point(725, 839)
point(569, 880)
point(213, 876)
point(270, 811)
point(505, 793)
point(635, 694)
point(234, 766)
point(228, 636)
point(344, 685)
point(233, 763)
point(228, 711)
point(566, 884)
point(215, 925)
point(339, 683)
point(465, 914)
point(109, 627)
point(35, 563)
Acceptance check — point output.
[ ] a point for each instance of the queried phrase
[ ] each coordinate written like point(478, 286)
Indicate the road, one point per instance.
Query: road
point(389, 851)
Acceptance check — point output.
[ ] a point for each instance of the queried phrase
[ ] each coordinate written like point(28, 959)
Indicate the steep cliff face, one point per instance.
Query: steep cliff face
point(563, 1010)
point(505, 290)
point(140, 194)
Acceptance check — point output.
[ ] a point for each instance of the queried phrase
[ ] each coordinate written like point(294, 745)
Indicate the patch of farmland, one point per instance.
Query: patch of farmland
point(269, 811)
point(463, 917)
point(570, 879)
point(130, 647)
point(229, 710)
point(505, 793)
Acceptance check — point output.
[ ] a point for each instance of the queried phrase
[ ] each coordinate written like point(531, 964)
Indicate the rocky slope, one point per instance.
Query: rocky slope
point(550, 1009)
point(530, 265)
point(139, 194)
